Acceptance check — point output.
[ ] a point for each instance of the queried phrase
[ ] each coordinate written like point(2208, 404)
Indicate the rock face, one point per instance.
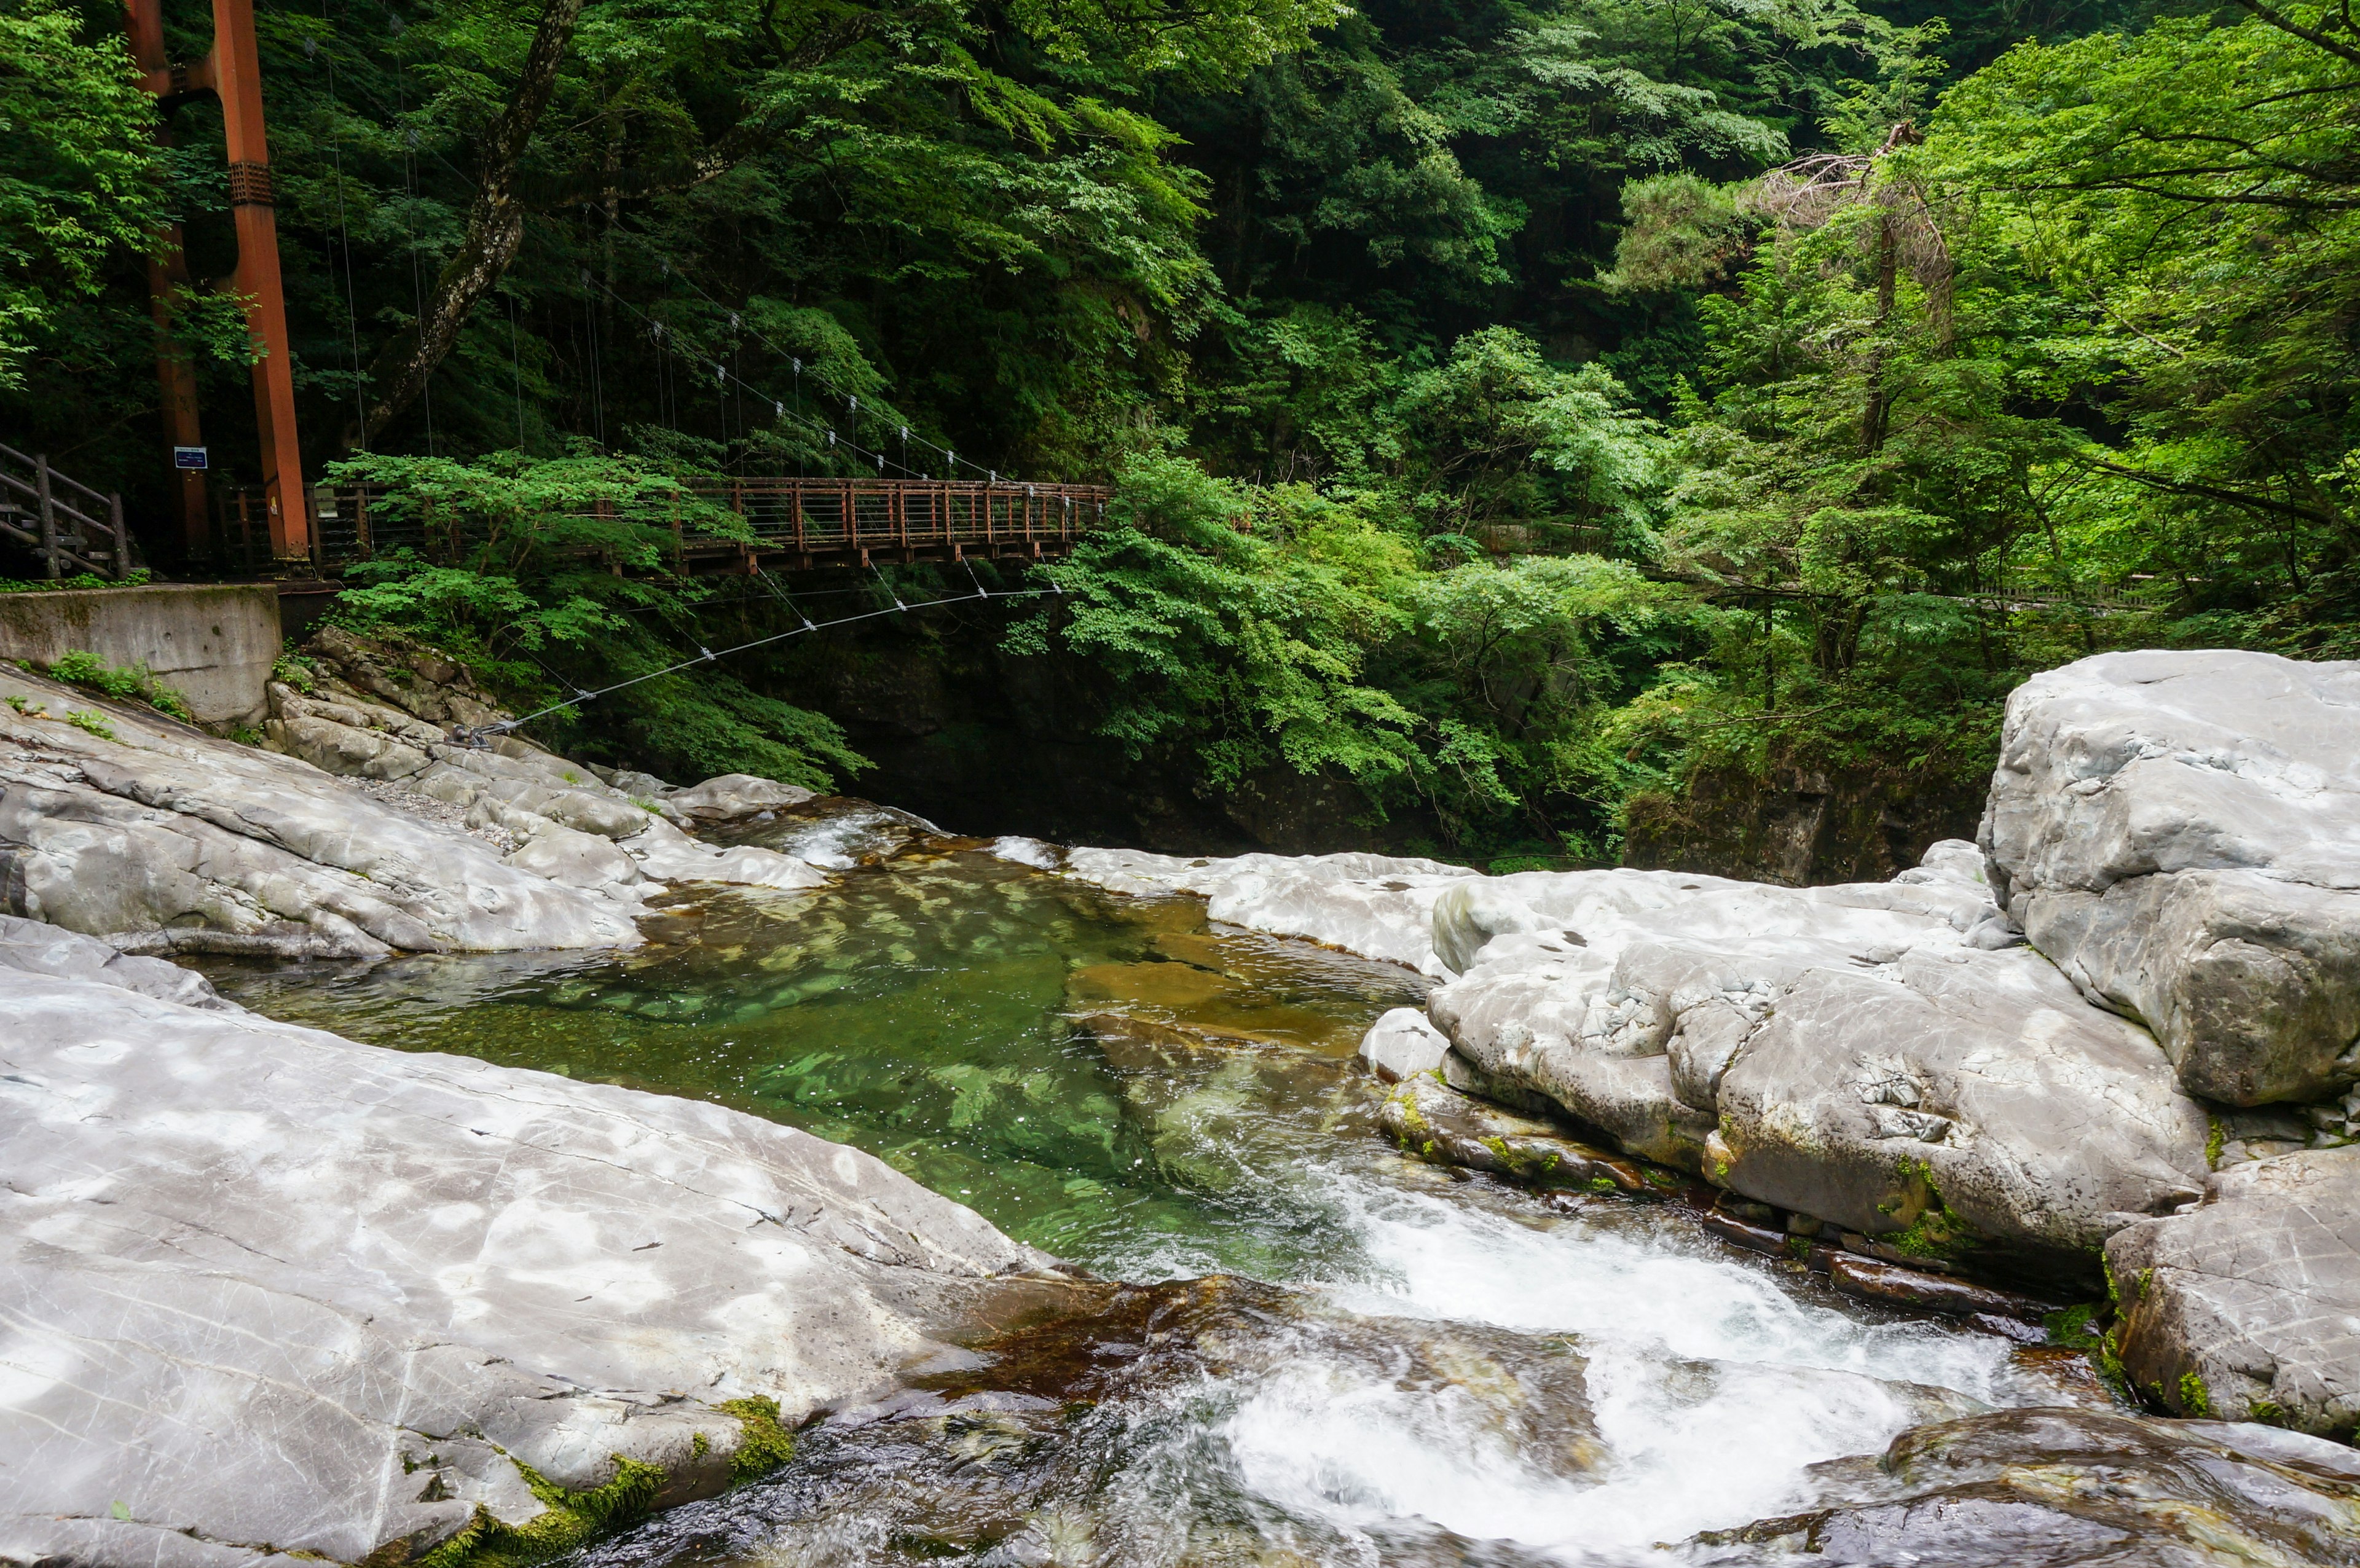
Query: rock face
point(1870, 1055)
point(2180, 833)
point(366, 831)
point(1802, 825)
point(2249, 1307)
point(167, 834)
point(320, 1310)
point(2060, 1488)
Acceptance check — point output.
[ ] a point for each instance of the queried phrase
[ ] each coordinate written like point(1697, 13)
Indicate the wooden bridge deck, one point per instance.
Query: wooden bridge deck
point(792, 524)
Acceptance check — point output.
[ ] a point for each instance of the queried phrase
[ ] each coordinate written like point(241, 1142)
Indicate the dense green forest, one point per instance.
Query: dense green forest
point(1536, 419)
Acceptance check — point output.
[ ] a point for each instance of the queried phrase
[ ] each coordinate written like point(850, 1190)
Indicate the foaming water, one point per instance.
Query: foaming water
point(1637, 1278)
point(1466, 1372)
point(1714, 1385)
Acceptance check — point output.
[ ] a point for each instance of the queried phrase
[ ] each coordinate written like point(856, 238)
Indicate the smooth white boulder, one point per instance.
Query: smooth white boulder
point(1864, 1053)
point(1403, 1044)
point(1375, 905)
point(263, 1285)
point(2180, 833)
point(732, 795)
point(2248, 1307)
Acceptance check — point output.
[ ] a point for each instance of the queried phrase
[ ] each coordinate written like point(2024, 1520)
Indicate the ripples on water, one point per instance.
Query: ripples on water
point(1458, 1372)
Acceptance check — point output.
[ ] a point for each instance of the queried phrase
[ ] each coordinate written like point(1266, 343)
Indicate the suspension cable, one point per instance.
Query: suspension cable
point(477, 735)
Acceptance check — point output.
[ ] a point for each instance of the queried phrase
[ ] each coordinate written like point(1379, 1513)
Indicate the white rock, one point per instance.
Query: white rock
point(2181, 832)
point(264, 1285)
point(1403, 1044)
point(578, 860)
point(1852, 1052)
point(1375, 905)
point(213, 844)
point(1027, 852)
point(733, 795)
point(668, 854)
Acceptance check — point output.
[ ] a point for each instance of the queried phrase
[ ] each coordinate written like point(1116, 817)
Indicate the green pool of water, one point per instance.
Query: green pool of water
point(949, 1012)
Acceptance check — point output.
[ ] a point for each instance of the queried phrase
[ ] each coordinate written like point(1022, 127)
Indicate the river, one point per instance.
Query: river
point(1393, 1362)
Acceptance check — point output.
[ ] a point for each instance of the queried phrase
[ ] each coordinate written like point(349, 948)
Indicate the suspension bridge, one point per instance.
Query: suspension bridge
point(717, 525)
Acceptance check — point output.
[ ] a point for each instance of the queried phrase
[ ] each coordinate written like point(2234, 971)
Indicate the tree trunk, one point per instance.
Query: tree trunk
point(495, 232)
point(1888, 268)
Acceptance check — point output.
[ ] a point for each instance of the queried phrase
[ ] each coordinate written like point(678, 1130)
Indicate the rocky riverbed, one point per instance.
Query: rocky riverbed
point(1803, 1169)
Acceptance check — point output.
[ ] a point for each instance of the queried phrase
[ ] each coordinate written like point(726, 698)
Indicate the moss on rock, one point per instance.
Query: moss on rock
point(764, 1444)
point(573, 1520)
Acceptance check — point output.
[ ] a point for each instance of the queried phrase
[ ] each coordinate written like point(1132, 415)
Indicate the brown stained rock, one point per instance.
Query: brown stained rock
point(1132, 1043)
point(1201, 949)
point(1442, 1127)
point(1205, 1002)
point(1753, 1237)
point(1867, 1280)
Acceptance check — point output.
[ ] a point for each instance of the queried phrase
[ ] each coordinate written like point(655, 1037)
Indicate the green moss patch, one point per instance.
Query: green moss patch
point(765, 1444)
point(573, 1520)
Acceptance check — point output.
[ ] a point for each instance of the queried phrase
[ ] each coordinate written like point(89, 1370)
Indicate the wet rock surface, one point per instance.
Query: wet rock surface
point(2180, 833)
point(1378, 906)
point(2064, 1488)
point(401, 1277)
point(1436, 1123)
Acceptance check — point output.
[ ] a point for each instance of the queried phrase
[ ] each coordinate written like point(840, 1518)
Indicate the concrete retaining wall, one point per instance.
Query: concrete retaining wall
point(214, 642)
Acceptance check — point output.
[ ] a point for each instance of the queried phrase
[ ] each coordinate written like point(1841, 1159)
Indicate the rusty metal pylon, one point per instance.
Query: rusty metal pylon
point(232, 73)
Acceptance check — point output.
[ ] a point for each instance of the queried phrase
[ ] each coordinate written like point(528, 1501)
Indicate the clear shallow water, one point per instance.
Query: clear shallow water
point(1457, 1371)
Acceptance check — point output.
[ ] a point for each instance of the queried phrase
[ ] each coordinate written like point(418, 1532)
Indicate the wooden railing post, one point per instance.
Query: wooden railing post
point(122, 537)
point(48, 513)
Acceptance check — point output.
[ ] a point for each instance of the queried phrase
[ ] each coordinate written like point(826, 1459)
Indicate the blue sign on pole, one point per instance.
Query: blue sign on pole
point(189, 457)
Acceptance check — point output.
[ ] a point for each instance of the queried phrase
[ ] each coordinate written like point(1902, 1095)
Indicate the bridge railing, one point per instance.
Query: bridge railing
point(70, 528)
point(808, 522)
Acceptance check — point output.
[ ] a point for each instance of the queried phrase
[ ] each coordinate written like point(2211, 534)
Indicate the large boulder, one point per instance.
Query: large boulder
point(1375, 905)
point(263, 1285)
point(2249, 1307)
point(507, 782)
point(2180, 833)
point(1878, 1055)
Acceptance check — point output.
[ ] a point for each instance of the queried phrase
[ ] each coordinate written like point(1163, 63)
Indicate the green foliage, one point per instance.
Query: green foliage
point(564, 583)
point(77, 668)
point(90, 723)
point(1520, 407)
point(1277, 628)
point(293, 669)
point(78, 169)
point(139, 577)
